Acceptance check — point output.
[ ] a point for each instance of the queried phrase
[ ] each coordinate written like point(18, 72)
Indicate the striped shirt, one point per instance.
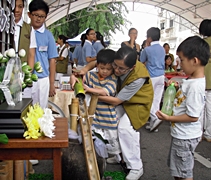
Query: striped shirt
point(105, 114)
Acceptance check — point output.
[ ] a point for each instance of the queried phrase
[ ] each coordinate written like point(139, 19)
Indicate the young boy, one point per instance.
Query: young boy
point(46, 54)
point(104, 83)
point(186, 129)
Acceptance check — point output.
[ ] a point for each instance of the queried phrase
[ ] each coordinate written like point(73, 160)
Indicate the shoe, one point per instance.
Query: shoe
point(156, 124)
point(34, 162)
point(148, 127)
point(112, 160)
point(135, 174)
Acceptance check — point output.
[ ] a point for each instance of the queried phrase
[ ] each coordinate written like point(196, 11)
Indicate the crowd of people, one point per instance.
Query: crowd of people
point(130, 85)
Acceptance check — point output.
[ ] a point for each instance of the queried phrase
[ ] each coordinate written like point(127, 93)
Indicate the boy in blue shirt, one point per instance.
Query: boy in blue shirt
point(46, 54)
point(186, 129)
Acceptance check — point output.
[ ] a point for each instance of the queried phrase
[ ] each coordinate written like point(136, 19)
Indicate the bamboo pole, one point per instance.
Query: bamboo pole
point(92, 107)
point(73, 109)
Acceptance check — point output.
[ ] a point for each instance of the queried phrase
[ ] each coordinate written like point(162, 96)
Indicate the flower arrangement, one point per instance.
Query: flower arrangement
point(17, 74)
point(39, 122)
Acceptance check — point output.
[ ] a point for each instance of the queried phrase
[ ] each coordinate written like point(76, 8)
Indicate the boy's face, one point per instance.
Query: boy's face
point(167, 48)
point(104, 70)
point(187, 65)
point(18, 10)
point(37, 18)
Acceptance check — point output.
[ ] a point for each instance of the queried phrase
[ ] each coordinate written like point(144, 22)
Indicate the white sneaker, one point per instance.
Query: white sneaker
point(112, 160)
point(156, 124)
point(135, 174)
point(148, 127)
point(34, 162)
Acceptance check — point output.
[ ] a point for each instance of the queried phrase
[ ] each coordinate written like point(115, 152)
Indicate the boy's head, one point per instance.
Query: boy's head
point(124, 61)
point(194, 52)
point(38, 11)
point(205, 27)
point(105, 58)
point(153, 34)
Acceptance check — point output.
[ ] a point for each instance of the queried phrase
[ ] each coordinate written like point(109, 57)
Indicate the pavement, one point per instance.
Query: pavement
point(154, 153)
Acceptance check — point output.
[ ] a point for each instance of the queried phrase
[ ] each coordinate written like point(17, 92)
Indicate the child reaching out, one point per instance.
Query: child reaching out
point(104, 83)
point(186, 130)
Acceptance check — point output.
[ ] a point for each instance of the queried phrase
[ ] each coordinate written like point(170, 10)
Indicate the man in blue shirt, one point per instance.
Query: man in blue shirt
point(153, 57)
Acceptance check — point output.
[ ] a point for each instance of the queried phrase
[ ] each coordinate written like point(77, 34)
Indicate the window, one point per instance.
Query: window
point(162, 25)
point(171, 23)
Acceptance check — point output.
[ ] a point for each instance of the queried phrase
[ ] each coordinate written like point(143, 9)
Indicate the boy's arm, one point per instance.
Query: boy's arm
point(52, 70)
point(32, 49)
point(99, 91)
point(184, 118)
point(110, 100)
point(31, 57)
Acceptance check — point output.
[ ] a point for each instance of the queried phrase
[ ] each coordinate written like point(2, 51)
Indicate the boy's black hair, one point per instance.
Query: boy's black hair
point(153, 33)
point(105, 56)
point(127, 54)
point(205, 27)
point(38, 5)
point(195, 46)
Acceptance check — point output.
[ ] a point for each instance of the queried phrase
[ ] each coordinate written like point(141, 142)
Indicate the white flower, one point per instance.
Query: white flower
point(5, 53)
point(46, 123)
point(22, 53)
point(11, 52)
point(1, 56)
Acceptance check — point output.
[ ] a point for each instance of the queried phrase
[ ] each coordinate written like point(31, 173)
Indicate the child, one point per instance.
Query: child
point(168, 64)
point(186, 130)
point(104, 83)
point(46, 54)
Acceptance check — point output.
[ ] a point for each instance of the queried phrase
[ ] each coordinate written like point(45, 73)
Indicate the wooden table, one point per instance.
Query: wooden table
point(42, 148)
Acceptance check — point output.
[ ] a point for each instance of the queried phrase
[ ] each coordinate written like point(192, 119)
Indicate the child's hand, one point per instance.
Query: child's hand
point(176, 84)
point(162, 116)
point(73, 80)
point(86, 88)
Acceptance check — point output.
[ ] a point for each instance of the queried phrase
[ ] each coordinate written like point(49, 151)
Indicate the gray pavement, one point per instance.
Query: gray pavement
point(154, 149)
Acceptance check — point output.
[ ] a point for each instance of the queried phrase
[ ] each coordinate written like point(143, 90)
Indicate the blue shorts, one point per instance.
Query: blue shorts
point(181, 157)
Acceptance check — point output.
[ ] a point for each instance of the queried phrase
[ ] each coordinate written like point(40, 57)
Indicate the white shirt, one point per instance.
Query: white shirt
point(18, 26)
point(190, 100)
point(64, 53)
